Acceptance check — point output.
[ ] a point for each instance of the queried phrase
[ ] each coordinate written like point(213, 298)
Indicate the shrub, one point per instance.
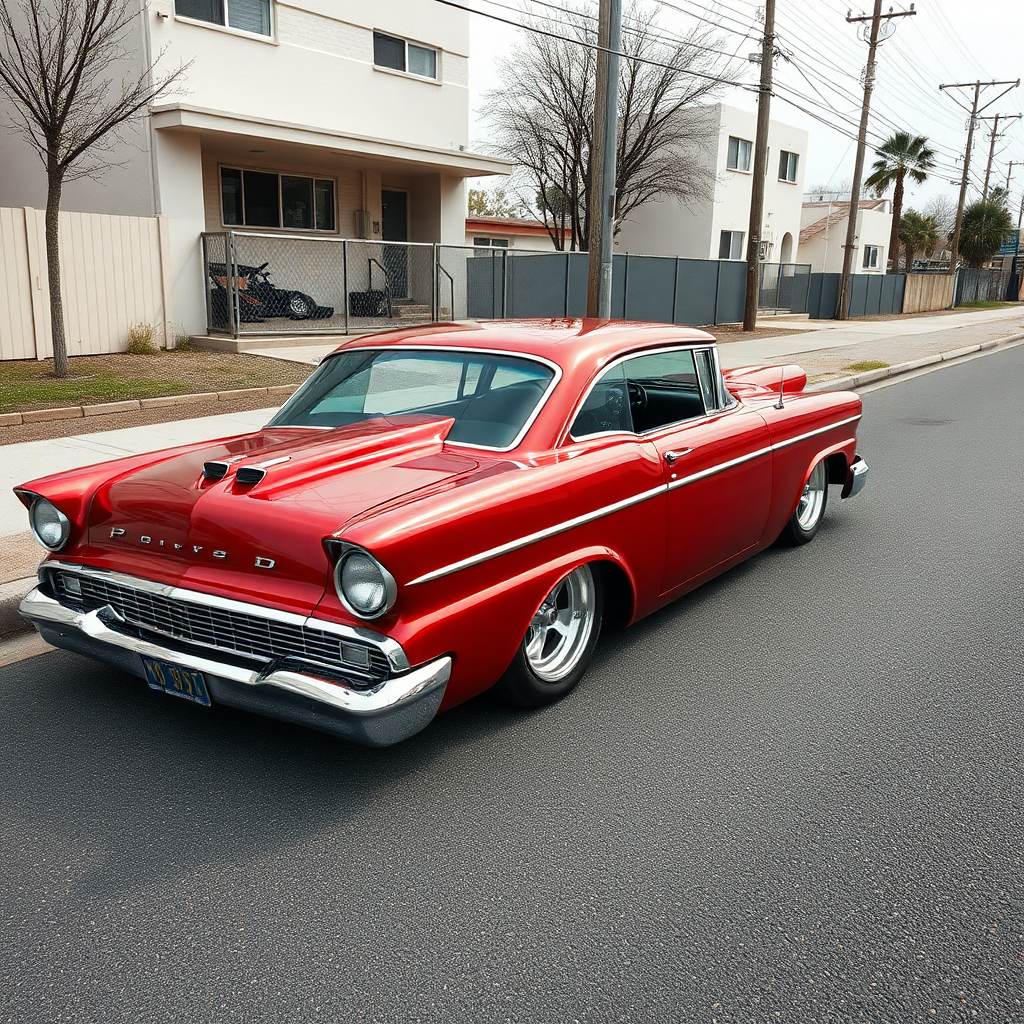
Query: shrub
point(184, 343)
point(140, 340)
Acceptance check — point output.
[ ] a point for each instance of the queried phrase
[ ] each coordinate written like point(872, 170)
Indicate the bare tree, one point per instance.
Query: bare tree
point(58, 66)
point(942, 209)
point(542, 118)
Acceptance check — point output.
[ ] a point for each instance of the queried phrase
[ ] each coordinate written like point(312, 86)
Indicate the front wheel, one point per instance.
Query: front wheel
point(810, 510)
point(558, 644)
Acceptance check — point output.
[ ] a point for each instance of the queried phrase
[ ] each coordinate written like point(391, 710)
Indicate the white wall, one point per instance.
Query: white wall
point(124, 188)
point(317, 69)
point(180, 200)
point(669, 229)
point(824, 250)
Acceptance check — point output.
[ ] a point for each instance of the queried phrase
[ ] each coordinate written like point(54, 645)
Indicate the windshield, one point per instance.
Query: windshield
point(491, 397)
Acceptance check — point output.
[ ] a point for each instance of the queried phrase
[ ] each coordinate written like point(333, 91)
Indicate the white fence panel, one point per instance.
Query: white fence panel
point(112, 276)
point(17, 332)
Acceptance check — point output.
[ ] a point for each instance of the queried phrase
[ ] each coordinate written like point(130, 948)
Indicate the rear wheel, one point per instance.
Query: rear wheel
point(558, 644)
point(300, 306)
point(810, 510)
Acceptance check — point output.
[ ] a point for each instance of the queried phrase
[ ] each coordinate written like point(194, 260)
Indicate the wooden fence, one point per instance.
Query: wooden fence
point(927, 291)
point(112, 276)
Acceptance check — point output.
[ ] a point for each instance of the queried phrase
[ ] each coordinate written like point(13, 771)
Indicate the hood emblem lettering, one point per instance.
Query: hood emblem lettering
point(219, 553)
point(264, 563)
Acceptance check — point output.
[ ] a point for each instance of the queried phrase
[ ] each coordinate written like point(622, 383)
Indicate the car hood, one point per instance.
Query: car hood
point(251, 540)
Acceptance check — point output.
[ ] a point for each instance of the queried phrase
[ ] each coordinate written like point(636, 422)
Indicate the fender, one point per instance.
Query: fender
point(486, 627)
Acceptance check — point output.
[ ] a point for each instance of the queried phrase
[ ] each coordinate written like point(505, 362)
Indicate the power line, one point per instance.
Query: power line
point(590, 46)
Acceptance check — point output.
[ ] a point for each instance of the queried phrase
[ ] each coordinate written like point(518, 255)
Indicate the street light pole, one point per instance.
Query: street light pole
point(601, 200)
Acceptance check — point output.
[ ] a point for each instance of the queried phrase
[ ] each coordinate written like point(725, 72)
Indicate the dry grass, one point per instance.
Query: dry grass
point(27, 384)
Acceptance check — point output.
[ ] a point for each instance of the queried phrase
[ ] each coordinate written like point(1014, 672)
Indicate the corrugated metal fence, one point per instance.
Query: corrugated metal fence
point(112, 276)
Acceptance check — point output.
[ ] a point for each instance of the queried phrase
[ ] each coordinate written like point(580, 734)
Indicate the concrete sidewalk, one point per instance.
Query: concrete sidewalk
point(825, 349)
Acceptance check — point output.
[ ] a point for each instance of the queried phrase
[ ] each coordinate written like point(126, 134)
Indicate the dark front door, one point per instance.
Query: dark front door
point(395, 228)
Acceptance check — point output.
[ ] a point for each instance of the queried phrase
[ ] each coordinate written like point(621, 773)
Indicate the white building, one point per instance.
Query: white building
point(823, 234)
point(718, 230)
point(326, 118)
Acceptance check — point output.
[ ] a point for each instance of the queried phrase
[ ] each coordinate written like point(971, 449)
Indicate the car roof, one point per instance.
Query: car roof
point(569, 343)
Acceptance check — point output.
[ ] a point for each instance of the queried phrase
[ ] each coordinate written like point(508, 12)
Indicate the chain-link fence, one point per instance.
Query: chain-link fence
point(261, 283)
point(292, 284)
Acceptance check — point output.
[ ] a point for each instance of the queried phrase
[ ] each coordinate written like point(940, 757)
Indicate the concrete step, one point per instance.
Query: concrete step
point(404, 310)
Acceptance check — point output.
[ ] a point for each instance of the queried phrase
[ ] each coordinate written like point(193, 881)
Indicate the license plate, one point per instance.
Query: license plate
point(178, 681)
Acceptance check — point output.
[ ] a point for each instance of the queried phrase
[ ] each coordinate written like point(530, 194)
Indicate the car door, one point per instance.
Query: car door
point(715, 455)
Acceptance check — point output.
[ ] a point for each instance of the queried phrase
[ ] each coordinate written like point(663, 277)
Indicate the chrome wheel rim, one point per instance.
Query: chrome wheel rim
point(808, 512)
point(561, 628)
point(298, 305)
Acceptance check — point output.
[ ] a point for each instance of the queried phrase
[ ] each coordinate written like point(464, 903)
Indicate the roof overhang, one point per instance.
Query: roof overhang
point(184, 117)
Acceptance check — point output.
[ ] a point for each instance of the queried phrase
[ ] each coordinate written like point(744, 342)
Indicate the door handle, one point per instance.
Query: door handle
point(673, 457)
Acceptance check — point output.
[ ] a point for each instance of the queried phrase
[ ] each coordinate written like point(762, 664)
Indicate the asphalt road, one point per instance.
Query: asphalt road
point(794, 796)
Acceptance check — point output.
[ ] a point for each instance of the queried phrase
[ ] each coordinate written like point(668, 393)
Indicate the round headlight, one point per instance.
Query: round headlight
point(366, 587)
point(50, 526)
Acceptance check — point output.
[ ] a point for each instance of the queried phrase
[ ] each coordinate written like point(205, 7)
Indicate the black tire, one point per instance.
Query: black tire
point(810, 509)
point(545, 668)
point(300, 306)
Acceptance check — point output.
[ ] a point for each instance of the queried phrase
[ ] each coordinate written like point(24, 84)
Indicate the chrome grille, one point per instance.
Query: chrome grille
point(225, 630)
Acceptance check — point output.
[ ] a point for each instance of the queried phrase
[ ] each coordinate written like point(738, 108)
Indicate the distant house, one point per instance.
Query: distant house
point(298, 118)
point(507, 233)
point(823, 234)
point(718, 229)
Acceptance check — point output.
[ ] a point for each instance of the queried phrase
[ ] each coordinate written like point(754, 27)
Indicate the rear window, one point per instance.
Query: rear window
point(491, 397)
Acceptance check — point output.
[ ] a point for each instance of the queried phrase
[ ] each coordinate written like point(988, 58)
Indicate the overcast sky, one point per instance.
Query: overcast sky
point(947, 41)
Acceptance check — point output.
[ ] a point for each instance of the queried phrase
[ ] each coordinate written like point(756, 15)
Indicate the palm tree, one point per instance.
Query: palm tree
point(982, 230)
point(900, 155)
point(918, 233)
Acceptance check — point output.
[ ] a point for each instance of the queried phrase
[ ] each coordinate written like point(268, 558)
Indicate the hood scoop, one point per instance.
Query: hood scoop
point(246, 475)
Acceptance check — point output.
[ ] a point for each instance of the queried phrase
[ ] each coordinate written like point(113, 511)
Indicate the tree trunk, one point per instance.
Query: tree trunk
point(897, 213)
point(910, 258)
point(54, 181)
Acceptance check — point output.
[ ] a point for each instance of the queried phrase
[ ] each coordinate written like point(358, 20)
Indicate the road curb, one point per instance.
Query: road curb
point(857, 380)
point(11, 594)
point(70, 412)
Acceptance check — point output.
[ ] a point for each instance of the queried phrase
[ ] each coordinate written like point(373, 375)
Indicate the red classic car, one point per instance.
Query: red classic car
point(436, 511)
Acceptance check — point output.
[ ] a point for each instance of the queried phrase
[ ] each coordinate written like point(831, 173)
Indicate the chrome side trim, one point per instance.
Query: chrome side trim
point(399, 690)
point(721, 468)
point(814, 433)
point(391, 649)
point(607, 510)
point(551, 531)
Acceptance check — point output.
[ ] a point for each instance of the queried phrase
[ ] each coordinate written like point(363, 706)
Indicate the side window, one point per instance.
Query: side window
point(606, 408)
point(663, 388)
point(706, 375)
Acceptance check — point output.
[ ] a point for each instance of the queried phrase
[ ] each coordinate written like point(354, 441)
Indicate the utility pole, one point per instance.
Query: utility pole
point(974, 112)
point(601, 201)
point(764, 97)
point(874, 37)
point(1009, 171)
point(995, 134)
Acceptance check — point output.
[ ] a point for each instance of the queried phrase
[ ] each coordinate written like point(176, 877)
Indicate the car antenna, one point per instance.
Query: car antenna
point(782, 384)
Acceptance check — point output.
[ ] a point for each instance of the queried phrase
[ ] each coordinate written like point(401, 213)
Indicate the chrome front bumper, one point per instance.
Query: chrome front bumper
point(387, 713)
point(856, 478)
